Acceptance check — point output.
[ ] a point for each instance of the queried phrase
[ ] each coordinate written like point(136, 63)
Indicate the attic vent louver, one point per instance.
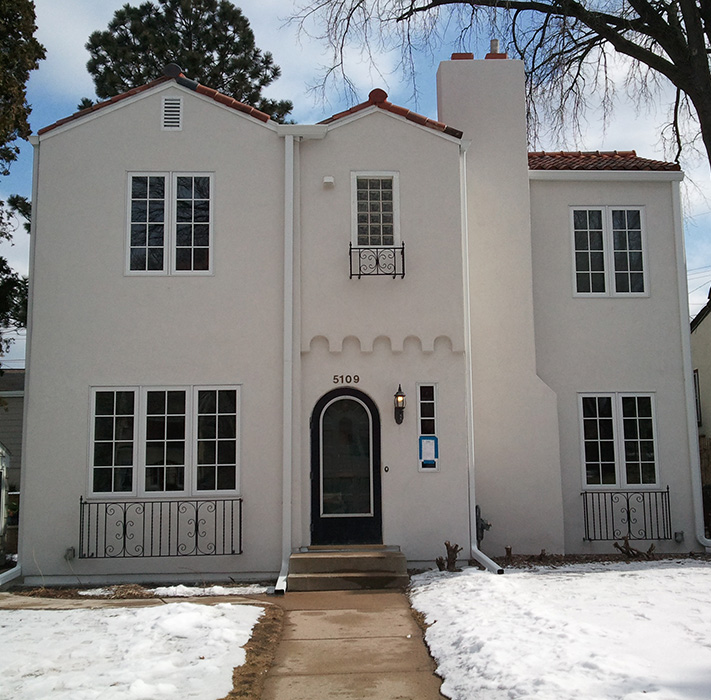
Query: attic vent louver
point(172, 113)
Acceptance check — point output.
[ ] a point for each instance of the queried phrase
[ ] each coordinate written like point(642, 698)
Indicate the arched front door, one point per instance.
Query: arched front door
point(345, 470)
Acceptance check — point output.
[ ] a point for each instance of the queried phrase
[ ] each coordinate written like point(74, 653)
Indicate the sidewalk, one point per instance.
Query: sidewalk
point(347, 645)
point(350, 645)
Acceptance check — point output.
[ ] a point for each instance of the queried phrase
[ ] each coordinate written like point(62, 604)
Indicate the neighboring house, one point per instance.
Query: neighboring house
point(12, 401)
point(227, 314)
point(701, 359)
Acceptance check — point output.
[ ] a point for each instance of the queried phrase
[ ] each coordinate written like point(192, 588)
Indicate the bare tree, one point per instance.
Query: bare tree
point(567, 47)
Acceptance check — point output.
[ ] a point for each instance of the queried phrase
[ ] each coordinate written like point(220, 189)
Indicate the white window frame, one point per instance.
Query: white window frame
point(140, 438)
point(92, 436)
point(619, 440)
point(372, 174)
point(170, 223)
point(608, 251)
point(422, 434)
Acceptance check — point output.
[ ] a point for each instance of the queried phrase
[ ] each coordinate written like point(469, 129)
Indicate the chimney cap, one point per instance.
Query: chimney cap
point(462, 56)
point(173, 70)
point(495, 50)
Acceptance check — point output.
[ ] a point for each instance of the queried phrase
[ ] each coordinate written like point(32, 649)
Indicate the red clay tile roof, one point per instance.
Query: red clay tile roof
point(181, 80)
point(595, 160)
point(379, 98)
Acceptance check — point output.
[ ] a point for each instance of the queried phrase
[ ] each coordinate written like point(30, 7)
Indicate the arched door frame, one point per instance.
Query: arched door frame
point(359, 529)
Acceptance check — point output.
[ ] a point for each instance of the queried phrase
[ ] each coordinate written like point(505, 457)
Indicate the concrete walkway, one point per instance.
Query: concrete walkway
point(348, 645)
point(336, 645)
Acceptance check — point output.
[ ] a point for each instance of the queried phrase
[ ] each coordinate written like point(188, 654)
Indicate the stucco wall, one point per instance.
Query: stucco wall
point(92, 325)
point(612, 344)
point(516, 458)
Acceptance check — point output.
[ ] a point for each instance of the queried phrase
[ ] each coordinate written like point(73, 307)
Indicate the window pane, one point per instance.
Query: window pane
point(228, 427)
point(139, 187)
point(123, 480)
point(227, 401)
point(103, 454)
point(207, 427)
point(104, 428)
point(174, 478)
point(226, 478)
point(156, 402)
point(185, 188)
point(102, 480)
point(206, 478)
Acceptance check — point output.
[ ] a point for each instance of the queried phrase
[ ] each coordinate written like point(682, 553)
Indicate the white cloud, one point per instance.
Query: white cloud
point(63, 28)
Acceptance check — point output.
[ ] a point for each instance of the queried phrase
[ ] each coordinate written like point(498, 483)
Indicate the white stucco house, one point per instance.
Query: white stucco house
point(225, 312)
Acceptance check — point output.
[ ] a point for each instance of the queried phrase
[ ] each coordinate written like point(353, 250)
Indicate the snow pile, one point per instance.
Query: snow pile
point(181, 591)
point(179, 650)
point(628, 631)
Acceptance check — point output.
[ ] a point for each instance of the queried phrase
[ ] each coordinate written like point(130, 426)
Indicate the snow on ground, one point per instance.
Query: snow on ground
point(182, 591)
point(602, 631)
point(178, 650)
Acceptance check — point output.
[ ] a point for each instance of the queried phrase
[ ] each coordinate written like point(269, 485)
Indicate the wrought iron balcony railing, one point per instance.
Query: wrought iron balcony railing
point(637, 515)
point(377, 260)
point(115, 529)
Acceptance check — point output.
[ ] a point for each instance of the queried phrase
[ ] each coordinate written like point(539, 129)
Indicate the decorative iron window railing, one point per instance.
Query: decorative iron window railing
point(637, 515)
point(115, 529)
point(377, 260)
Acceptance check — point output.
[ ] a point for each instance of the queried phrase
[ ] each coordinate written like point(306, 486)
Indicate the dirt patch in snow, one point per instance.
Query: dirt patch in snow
point(248, 679)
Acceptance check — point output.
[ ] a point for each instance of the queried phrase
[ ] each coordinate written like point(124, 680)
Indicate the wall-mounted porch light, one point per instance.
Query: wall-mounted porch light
point(399, 404)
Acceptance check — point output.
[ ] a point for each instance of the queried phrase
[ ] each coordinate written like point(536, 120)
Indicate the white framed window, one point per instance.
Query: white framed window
point(427, 427)
point(113, 440)
point(151, 441)
point(618, 440)
point(609, 257)
point(170, 229)
point(375, 209)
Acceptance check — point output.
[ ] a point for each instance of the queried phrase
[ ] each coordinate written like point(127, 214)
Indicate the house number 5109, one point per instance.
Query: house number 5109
point(346, 378)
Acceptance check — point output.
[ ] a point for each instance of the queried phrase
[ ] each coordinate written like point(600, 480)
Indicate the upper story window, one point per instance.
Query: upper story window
point(170, 440)
point(170, 223)
point(376, 209)
point(376, 248)
point(618, 439)
point(609, 251)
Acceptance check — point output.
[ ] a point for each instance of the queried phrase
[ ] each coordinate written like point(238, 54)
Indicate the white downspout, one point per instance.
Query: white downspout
point(688, 369)
point(288, 363)
point(475, 552)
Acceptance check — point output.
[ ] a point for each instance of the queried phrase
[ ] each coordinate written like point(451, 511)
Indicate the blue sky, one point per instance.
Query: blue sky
point(55, 89)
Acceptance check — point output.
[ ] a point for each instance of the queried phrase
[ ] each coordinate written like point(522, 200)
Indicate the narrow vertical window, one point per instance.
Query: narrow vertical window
point(113, 441)
point(589, 254)
point(165, 440)
point(192, 223)
point(697, 398)
point(627, 247)
point(427, 424)
point(147, 223)
point(638, 434)
point(599, 440)
point(427, 409)
point(375, 216)
point(216, 439)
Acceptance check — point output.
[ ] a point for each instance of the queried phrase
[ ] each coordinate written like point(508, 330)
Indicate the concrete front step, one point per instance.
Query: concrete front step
point(346, 568)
